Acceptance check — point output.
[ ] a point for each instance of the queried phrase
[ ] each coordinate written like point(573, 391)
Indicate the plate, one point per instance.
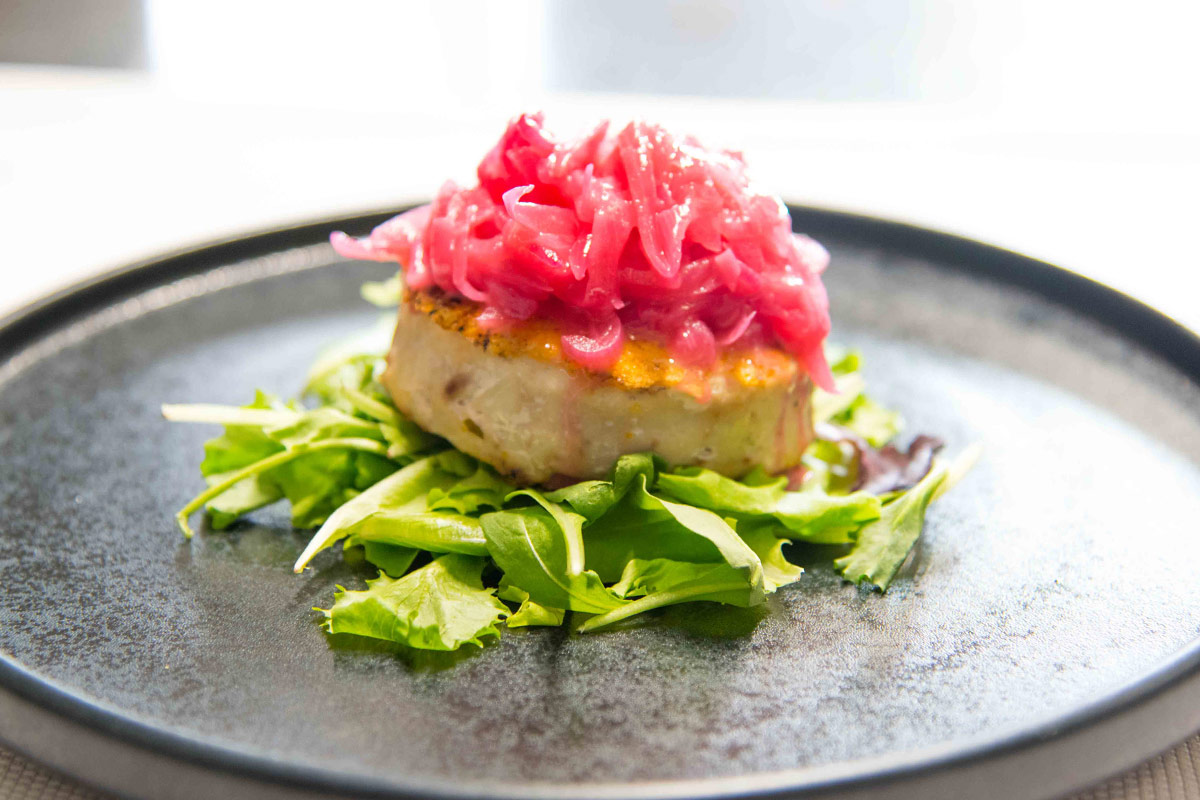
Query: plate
point(1045, 634)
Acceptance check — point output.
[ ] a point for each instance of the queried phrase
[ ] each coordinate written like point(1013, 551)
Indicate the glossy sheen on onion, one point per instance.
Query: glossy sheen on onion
point(634, 233)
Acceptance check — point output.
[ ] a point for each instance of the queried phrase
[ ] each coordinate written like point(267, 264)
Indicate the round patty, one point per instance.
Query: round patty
point(512, 400)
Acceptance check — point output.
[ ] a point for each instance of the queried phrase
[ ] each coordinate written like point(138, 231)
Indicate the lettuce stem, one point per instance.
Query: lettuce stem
point(658, 600)
point(373, 408)
point(270, 462)
point(228, 415)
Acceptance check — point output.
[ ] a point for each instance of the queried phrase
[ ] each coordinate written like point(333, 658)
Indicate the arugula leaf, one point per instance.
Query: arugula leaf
point(883, 545)
point(406, 441)
point(322, 423)
point(370, 469)
point(263, 466)
point(316, 459)
point(318, 484)
point(242, 443)
point(401, 493)
point(241, 498)
point(529, 614)
point(532, 548)
point(441, 606)
point(643, 526)
point(244, 440)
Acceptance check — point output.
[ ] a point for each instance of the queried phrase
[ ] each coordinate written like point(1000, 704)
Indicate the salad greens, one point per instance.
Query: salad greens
point(462, 553)
point(441, 606)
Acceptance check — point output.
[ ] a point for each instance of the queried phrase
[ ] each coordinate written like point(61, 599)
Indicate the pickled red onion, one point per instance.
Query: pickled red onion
point(639, 232)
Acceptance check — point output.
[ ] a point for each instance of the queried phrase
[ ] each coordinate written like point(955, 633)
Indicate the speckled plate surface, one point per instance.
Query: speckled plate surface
point(1045, 633)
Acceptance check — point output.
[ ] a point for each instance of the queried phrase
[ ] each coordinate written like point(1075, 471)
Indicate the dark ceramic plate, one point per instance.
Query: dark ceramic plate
point(1047, 632)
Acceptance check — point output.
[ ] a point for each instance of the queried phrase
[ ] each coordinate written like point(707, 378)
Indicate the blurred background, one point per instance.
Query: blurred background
point(1066, 130)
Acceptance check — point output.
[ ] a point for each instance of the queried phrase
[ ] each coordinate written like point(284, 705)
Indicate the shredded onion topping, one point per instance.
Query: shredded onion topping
point(634, 233)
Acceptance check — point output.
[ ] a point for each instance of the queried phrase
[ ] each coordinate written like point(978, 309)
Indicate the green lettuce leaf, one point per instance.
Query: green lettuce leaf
point(441, 606)
point(663, 582)
point(870, 420)
point(529, 613)
point(593, 499)
point(831, 466)
point(482, 489)
point(392, 559)
point(708, 489)
point(883, 545)
point(814, 516)
point(810, 514)
point(646, 527)
point(396, 506)
point(763, 538)
point(436, 531)
point(539, 552)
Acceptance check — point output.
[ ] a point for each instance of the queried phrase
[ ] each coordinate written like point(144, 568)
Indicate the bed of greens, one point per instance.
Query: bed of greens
point(462, 553)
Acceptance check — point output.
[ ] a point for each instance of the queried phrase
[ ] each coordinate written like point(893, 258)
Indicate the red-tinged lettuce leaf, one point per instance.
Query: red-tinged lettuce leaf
point(882, 546)
point(441, 606)
point(886, 469)
point(891, 469)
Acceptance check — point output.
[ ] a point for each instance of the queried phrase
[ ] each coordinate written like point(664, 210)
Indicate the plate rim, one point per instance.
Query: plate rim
point(933, 769)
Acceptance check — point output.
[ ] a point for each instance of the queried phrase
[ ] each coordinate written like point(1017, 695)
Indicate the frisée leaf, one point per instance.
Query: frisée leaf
point(441, 606)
